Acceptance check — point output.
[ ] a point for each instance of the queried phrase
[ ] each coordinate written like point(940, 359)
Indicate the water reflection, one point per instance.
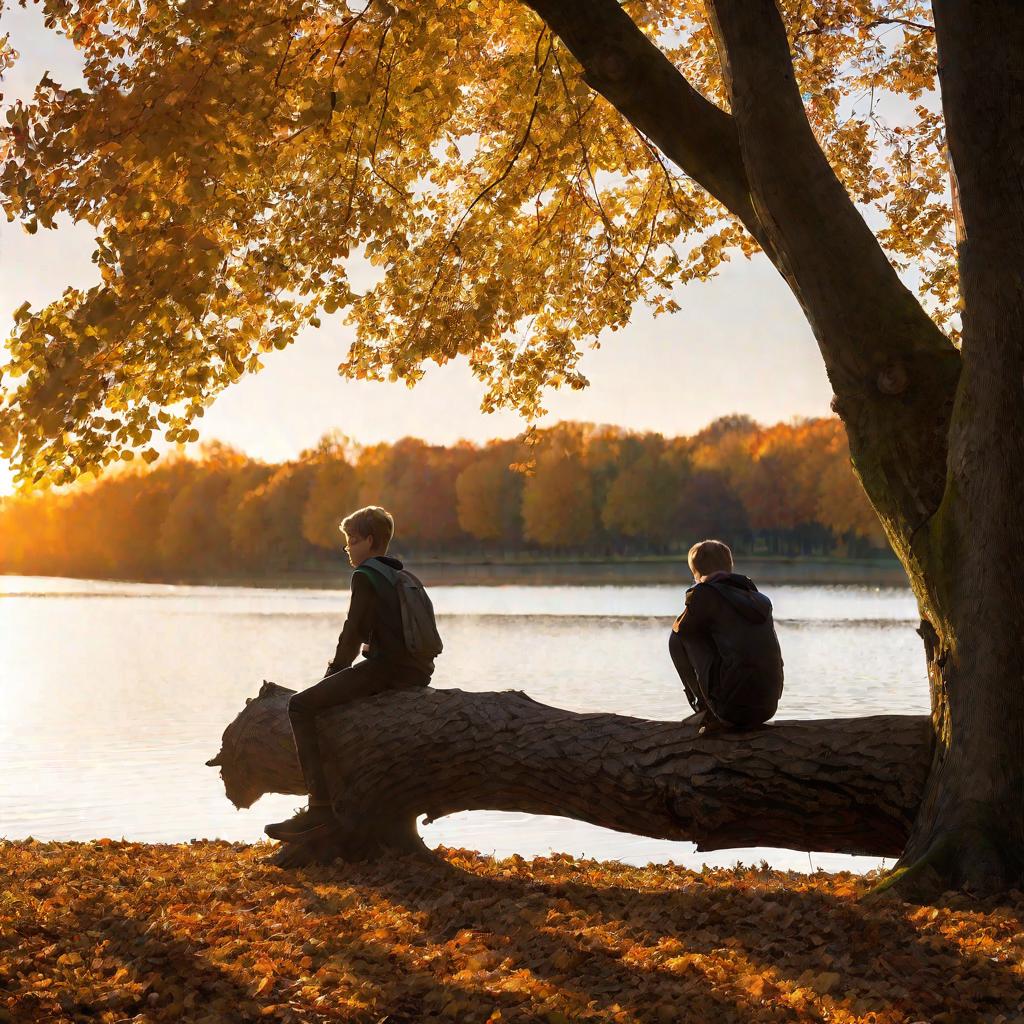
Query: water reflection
point(115, 694)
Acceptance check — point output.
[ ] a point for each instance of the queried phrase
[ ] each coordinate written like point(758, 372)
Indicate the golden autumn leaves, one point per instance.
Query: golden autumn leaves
point(113, 931)
point(233, 158)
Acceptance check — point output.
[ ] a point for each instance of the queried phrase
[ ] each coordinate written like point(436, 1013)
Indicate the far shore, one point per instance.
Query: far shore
point(595, 571)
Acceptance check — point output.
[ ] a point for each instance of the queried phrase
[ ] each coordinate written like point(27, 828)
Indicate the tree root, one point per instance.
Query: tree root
point(352, 843)
point(969, 860)
point(322, 850)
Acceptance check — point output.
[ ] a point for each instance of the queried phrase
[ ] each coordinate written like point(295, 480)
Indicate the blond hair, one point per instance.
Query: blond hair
point(708, 556)
point(372, 521)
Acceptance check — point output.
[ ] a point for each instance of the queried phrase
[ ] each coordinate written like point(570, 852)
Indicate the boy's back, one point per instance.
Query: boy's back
point(376, 619)
point(724, 644)
point(730, 636)
point(402, 627)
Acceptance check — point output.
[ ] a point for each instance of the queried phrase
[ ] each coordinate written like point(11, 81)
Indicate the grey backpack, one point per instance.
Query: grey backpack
point(419, 627)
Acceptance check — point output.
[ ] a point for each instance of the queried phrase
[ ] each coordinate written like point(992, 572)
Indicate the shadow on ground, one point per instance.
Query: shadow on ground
point(209, 932)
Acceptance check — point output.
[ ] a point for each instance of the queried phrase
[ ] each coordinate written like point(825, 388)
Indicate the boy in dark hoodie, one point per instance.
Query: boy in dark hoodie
point(724, 645)
point(374, 628)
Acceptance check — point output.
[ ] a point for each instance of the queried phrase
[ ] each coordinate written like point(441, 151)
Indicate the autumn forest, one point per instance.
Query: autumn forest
point(577, 490)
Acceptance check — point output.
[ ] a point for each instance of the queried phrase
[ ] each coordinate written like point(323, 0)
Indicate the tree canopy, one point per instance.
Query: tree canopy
point(240, 161)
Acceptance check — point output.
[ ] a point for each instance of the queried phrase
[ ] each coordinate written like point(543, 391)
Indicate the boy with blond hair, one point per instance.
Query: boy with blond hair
point(374, 626)
point(724, 646)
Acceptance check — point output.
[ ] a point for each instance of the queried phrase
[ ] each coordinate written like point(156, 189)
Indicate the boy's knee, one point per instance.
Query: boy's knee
point(296, 706)
point(677, 649)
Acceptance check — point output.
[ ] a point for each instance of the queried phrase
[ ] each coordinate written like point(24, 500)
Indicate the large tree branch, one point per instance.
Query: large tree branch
point(893, 371)
point(849, 785)
point(622, 64)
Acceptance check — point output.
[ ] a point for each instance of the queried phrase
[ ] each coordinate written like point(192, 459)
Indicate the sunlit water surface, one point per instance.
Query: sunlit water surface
point(114, 694)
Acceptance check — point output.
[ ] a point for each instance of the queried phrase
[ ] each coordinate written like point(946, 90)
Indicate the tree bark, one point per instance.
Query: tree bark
point(969, 561)
point(843, 785)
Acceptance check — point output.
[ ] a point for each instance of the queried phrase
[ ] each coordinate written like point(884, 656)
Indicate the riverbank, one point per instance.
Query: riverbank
point(115, 931)
point(612, 571)
point(639, 571)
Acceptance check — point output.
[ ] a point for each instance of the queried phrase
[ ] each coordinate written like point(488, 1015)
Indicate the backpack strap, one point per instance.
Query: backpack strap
point(378, 573)
point(379, 565)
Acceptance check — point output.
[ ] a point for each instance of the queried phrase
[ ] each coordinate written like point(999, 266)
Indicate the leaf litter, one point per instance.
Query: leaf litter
point(207, 932)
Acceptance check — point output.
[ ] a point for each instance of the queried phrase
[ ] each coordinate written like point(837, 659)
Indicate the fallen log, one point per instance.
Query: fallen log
point(842, 785)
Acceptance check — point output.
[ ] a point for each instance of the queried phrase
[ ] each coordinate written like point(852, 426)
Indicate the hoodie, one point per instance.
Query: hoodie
point(729, 638)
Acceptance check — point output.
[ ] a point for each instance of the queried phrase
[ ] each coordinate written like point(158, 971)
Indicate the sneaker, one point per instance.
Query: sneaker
point(306, 823)
point(707, 723)
point(713, 725)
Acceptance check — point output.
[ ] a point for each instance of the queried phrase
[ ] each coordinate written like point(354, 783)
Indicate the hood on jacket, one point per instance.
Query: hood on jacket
point(386, 562)
point(740, 592)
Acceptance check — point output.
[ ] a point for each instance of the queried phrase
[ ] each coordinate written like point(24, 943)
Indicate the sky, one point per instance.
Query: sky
point(738, 344)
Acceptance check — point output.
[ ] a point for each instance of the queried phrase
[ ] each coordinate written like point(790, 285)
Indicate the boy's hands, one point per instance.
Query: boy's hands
point(332, 668)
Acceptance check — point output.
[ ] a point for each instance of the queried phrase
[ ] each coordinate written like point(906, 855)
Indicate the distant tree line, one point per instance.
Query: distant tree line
point(579, 490)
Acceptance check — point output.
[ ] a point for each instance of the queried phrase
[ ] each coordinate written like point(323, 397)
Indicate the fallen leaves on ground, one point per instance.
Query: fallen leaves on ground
point(207, 932)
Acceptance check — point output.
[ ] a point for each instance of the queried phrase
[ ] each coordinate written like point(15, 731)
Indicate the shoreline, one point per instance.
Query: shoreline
point(610, 571)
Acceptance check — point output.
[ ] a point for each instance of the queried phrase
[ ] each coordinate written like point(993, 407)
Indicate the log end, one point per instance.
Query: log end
point(257, 751)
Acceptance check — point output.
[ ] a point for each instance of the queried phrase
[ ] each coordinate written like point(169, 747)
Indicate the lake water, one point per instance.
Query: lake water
point(114, 694)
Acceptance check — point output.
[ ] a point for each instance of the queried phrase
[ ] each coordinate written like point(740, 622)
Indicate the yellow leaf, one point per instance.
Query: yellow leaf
point(826, 981)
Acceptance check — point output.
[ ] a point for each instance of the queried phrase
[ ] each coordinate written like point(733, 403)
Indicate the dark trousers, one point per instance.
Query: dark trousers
point(741, 715)
point(361, 680)
point(687, 675)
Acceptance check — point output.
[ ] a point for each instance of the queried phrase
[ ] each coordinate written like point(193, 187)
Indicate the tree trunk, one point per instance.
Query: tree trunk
point(968, 564)
point(842, 785)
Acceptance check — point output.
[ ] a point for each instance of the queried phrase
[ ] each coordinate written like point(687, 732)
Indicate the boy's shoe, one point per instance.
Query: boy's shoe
point(706, 723)
point(713, 725)
point(306, 823)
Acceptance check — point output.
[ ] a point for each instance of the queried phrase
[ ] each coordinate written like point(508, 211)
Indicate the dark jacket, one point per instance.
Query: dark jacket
point(374, 618)
point(729, 638)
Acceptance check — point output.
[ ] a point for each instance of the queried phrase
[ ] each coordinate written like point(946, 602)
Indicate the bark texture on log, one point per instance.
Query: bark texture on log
point(843, 785)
